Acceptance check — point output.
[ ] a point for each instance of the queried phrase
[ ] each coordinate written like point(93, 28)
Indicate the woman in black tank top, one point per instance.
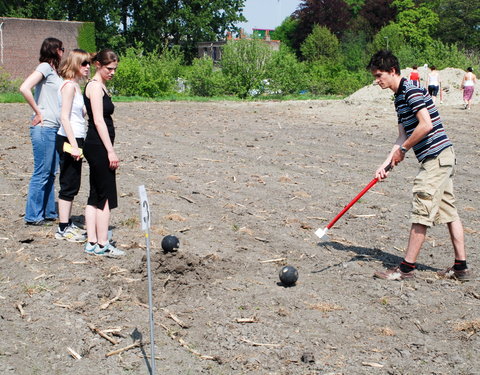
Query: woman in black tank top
point(101, 156)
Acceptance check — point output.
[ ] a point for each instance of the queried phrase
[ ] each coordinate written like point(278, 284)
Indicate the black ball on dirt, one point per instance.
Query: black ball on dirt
point(288, 275)
point(170, 244)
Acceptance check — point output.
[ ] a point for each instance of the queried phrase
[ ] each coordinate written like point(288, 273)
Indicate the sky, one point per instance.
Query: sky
point(266, 14)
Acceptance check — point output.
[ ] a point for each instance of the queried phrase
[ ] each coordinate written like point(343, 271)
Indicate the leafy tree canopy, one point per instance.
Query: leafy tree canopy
point(321, 45)
point(150, 23)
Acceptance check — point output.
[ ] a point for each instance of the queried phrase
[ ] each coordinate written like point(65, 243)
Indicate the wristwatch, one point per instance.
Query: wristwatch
point(403, 149)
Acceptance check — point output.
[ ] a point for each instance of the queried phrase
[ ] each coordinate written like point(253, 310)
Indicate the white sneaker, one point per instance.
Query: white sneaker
point(108, 250)
point(70, 234)
point(89, 248)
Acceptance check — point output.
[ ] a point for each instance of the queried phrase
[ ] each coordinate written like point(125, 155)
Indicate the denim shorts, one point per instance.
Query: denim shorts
point(433, 199)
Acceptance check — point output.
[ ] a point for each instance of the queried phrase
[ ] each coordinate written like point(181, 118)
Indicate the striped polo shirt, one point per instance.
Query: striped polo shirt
point(409, 99)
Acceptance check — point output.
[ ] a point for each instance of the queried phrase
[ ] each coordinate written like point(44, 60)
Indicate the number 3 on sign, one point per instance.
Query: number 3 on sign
point(145, 208)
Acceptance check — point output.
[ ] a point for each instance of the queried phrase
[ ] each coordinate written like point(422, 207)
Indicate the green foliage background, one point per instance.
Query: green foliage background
point(320, 54)
point(86, 37)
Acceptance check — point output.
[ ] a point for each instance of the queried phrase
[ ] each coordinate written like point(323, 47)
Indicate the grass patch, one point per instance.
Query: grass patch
point(12, 97)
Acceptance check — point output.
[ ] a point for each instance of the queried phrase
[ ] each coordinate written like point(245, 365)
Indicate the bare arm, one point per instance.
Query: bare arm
point(68, 94)
point(26, 90)
point(396, 156)
point(95, 93)
point(402, 136)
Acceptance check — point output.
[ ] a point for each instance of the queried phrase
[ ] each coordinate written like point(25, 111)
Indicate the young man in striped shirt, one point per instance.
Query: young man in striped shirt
point(420, 128)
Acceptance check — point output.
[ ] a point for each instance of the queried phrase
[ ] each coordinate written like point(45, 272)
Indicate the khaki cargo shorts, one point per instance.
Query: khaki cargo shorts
point(433, 199)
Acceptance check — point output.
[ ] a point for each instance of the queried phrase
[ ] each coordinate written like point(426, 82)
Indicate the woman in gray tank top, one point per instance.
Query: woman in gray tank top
point(44, 126)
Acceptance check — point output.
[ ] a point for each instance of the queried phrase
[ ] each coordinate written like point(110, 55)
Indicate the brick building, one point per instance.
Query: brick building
point(20, 41)
point(214, 49)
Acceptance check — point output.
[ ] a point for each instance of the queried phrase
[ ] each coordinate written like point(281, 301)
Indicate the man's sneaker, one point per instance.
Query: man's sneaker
point(70, 234)
point(451, 273)
point(108, 250)
point(394, 274)
point(89, 248)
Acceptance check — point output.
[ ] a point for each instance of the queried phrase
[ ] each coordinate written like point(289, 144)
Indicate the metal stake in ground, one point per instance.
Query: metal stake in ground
point(145, 219)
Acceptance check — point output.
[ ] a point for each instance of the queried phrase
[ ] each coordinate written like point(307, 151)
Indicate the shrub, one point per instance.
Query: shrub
point(7, 85)
point(149, 75)
point(244, 65)
point(204, 79)
point(286, 74)
point(335, 79)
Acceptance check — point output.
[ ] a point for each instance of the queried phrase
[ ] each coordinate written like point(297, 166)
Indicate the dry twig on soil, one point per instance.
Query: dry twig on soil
point(108, 303)
point(102, 334)
point(258, 343)
point(182, 342)
point(73, 353)
point(121, 350)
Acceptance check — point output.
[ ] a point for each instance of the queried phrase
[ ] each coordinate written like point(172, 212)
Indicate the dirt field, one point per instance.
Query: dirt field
point(244, 186)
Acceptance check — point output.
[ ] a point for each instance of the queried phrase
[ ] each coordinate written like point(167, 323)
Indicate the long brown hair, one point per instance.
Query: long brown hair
point(49, 51)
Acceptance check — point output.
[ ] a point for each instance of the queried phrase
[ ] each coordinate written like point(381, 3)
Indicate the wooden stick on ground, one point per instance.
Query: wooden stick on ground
point(258, 344)
point(108, 303)
point(73, 353)
point(273, 260)
point(102, 334)
point(20, 308)
point(121, 350)
point(186, 346)
point(176, 319)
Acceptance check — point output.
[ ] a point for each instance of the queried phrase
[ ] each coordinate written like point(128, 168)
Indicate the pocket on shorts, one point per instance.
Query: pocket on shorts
point(446, 159)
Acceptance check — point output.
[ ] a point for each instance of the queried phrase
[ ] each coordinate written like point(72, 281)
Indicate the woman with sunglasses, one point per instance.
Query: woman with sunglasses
point(70, 139)
point(101, 156)
point(43, 130)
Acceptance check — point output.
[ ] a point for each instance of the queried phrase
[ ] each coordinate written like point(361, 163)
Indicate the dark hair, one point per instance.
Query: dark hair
point(433, 67)
point(414, 66)
point(469, 69)
point(105, 57)
point(49, 51)
point(385, 61)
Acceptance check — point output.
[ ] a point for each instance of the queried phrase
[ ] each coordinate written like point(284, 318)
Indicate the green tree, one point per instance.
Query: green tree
point(159, 23)
point(417, 22)
point(286, 75)
point(460, 22)
point(204, 79)
point(146, 24)
point(321, 45)
point(389, 37)
point(285, 32)
point(244, 65)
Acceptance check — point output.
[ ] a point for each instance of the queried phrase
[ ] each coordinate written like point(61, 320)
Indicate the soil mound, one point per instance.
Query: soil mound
point(450, 80)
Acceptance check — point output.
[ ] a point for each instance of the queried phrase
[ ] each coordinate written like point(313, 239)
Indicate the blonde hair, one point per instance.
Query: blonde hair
point(70, 67)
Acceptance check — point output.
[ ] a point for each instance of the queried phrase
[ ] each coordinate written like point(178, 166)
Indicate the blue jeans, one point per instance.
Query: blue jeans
point(41, 192)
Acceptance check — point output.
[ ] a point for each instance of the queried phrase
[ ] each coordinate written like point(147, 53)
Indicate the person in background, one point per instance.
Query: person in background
point(45, 123)
point(71, 133)
point(415, 75)
point(433, 83)
point(420, 128)
point(101, 156)
point(468, 85)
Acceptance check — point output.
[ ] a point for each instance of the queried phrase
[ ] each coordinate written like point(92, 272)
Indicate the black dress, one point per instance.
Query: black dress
point(103, 186)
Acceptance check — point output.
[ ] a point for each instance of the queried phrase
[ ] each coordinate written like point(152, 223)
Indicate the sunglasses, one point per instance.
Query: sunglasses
point(62, 49)
point(85, 63)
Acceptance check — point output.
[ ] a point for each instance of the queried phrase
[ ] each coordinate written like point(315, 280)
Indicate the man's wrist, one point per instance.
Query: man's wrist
point(403, 150)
